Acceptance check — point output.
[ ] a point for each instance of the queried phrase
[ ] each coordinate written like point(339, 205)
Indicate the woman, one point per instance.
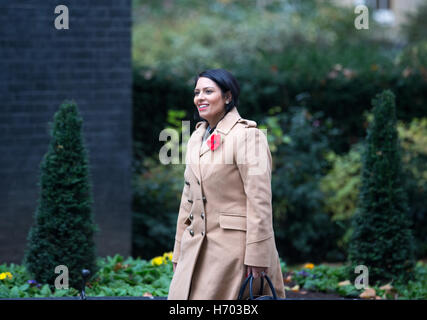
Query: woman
point(224, 229)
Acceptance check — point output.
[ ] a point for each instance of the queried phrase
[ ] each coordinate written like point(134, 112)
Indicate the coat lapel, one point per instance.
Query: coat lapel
point(223, 127)
point(194, 148)
point(197, 149)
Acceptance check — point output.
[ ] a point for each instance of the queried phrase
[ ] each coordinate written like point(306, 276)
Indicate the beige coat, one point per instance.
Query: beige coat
point(225, 215)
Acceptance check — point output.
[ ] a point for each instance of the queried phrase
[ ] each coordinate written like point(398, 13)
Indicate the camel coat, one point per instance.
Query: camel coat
point(225, 216)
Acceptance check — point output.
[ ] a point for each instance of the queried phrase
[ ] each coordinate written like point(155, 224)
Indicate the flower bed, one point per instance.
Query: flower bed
point(116, 277)
point(136, 278)
point(335, 280)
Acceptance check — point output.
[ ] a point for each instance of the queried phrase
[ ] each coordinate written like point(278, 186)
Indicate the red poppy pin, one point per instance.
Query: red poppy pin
point(214, 141)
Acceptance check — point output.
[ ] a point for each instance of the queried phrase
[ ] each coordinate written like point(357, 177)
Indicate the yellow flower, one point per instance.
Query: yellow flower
point(5, 275)
point(157, 261)
point(167, 256)
point(295, 288)
point(309, 266)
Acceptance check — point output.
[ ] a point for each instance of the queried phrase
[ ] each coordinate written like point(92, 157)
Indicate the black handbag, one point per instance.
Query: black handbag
point(250, 280)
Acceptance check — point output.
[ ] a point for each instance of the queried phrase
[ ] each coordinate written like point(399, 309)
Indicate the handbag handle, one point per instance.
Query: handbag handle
point(249, 280)
point(270, 284)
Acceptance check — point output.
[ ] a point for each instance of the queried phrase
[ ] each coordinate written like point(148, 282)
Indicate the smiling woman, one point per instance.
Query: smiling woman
point(215, 94)
point(224, 229)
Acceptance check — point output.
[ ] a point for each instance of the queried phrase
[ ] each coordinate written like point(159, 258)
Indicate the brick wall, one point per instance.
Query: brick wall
point(41, 66)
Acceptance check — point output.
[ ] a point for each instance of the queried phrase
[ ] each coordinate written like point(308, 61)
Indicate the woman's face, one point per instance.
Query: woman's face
point(209, 100)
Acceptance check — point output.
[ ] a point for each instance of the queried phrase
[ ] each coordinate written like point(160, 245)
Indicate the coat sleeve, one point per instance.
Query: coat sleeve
point(255, 162)
point(184, 210)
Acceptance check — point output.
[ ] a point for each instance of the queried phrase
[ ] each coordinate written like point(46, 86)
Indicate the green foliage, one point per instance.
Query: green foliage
point(413, 138)
point(417, 288)
point(157, 188)
point(155, 95)
point(341, 184)
point(414, 59)
point(190, 36)
point(116, 276)
point(63, 230)
point(156, 201)
point(382, 238)
point(341, 189)
point(277, 51)
point(130, 277)
point(324, 278)
point(299, 141)
point(283, 266)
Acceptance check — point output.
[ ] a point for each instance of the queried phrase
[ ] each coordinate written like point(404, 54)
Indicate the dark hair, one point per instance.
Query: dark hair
point(226, 81)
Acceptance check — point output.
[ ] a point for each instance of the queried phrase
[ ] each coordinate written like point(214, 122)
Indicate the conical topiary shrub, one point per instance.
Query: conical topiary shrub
point(64, 228)
point(382, 238)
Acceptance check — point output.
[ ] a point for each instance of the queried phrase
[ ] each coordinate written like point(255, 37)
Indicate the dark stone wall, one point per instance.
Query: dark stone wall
point(40, 67)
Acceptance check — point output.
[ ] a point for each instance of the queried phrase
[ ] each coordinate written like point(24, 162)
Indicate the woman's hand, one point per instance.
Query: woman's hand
point(174, 266)
point(256, 271)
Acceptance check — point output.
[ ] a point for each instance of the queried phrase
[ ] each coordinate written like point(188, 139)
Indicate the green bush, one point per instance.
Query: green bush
point(156, 201)
point(157, 188)
point(154, 96)
point(416, 288)
point(382, 238)
point(341, 189)
point(64, 228)
point(304, 231)
point(414, 143)
point(341, 184)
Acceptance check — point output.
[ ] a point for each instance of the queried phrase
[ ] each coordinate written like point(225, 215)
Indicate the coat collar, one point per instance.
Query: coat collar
point(225, 124)
point(197, 149)
point(223, 128)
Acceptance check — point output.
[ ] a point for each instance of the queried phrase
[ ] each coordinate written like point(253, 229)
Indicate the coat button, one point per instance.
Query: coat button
point(203, 215)
point(204, 199)
point(191, 201)
point(191, 216)
point(191, 232)
point(198, 182)
point(203, 233)
point(187, 183)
